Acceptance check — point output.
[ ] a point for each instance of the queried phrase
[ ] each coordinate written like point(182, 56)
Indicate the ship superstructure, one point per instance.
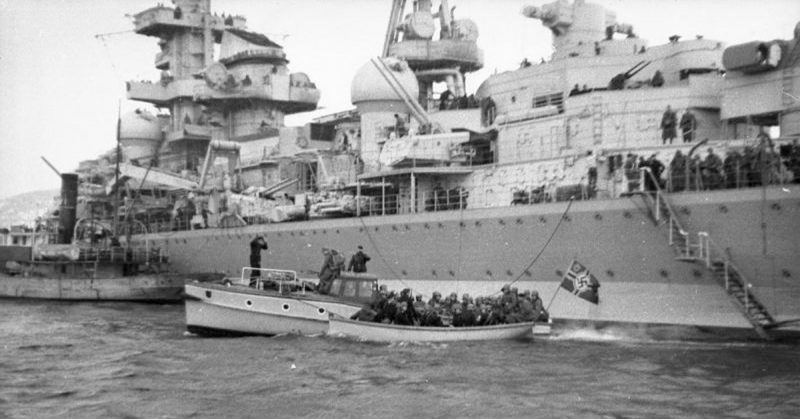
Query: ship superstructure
point(242, 95)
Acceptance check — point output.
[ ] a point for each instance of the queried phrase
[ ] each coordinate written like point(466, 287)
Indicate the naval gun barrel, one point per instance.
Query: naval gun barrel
point(618, 81)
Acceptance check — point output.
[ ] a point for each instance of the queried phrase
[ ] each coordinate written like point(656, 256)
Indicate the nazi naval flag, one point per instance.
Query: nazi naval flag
point(580, 282)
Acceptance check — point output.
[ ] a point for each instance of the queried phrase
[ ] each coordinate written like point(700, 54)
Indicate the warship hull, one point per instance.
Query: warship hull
point(643, 280)
point(139, 288)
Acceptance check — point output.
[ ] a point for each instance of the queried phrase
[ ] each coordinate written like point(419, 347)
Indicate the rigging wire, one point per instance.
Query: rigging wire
point(378, 251)
point(460, 241)
point(549, 239)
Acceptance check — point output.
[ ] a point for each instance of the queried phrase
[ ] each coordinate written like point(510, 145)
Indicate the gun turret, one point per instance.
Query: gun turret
point(618, 81)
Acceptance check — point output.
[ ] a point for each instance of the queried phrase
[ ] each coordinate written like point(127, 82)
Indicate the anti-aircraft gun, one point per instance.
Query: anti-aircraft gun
point(618, 81)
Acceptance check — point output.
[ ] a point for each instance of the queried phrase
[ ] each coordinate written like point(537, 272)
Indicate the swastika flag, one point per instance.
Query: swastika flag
point(580, 282)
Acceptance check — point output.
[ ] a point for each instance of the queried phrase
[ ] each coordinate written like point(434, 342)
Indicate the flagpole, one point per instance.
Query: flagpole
point(558, 288)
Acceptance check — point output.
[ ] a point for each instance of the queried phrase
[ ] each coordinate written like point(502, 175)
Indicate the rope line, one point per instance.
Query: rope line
point(460, 240)
point(549, 239)
point(378, 251)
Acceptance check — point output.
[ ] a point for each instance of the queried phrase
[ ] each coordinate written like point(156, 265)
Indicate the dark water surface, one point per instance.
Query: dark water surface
point(89, 360)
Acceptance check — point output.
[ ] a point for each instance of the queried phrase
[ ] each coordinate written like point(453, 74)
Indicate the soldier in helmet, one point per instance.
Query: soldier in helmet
point(539, 311)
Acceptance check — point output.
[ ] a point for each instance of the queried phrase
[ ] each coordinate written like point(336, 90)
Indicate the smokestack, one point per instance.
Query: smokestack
point(69, 203)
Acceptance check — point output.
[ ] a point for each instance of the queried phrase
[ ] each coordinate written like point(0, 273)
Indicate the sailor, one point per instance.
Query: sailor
point(591, 163)
point(399, 126)
point(358, 263)
point(658, 79)
point(688, 126)
point(712, 170)
point(631, 170)
point(256, 246)
point(668, 124)
point(445, 100)
point(677, 171)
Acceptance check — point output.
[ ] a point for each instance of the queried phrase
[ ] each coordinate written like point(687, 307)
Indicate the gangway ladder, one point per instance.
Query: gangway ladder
point(737, 286)
point(417, 111)
point(704, 250)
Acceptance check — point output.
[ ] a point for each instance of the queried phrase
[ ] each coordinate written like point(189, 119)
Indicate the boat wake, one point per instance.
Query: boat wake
point(594, 335)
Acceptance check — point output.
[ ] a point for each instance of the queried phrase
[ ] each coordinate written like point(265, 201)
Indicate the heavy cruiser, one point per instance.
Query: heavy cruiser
point(452, 191)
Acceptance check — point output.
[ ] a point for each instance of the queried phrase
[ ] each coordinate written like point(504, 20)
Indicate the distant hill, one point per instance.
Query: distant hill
point(24, 208)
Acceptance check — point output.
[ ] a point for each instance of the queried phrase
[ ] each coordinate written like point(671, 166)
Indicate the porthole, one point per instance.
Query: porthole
point(285, 307)
point(248, 303)
point(208, 294)
point(319, 310)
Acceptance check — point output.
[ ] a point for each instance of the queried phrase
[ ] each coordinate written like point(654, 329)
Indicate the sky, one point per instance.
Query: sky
point(61, 84)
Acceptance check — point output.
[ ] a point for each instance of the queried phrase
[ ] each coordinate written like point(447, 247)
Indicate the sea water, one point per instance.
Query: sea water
point(121, 360)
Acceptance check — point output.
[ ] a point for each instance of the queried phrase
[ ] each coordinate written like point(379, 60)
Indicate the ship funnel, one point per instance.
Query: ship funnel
point(68, 208)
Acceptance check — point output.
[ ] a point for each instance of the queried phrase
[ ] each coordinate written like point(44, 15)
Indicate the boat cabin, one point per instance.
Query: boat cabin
point(358, 287)
point(355, 286)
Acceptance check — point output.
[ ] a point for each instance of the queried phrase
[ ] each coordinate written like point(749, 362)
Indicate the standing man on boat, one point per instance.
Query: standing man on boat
point(330, 270)
point(358, 263)
point(256, 246)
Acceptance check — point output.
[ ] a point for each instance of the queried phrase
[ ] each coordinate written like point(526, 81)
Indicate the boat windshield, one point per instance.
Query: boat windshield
point(270, 277)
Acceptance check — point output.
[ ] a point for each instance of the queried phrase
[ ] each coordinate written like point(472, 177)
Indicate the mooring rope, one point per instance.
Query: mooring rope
point(460, 240)
point(378, 251)
point(549, 239)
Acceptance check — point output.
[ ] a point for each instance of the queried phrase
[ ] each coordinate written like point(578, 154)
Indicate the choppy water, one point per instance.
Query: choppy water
point(107, 360)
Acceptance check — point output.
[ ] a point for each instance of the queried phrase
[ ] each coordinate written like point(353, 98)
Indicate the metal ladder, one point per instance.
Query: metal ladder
point(704, 250)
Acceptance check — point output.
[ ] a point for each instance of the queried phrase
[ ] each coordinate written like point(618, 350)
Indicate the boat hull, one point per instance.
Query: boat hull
point(213, 309)
point(379, 332)
point(144, 288)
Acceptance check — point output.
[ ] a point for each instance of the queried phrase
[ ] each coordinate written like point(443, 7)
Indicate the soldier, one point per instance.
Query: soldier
point(327, 272)
point(539, 311)
point(436, 300)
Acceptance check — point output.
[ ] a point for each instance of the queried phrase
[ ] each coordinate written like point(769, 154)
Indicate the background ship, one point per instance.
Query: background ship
point(478, 194)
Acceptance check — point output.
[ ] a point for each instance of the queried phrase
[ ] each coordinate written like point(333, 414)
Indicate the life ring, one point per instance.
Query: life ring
point(488, 111)
point(302, 142)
